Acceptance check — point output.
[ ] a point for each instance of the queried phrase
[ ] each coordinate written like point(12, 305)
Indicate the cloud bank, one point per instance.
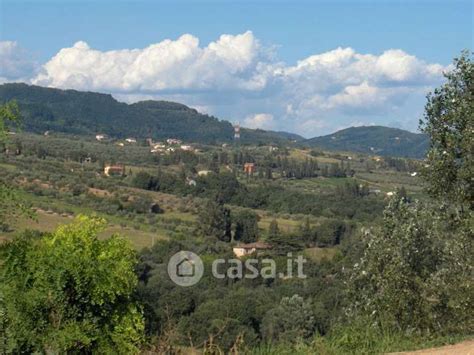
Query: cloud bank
point(237, 78)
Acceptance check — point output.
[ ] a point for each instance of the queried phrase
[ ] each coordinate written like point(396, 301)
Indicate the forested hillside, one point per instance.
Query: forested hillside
point(379, 140)
point(76, 112)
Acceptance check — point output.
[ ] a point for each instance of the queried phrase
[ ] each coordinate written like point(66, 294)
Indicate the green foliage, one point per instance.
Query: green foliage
point(273, 230)
point(245, 226)
point(70, 292)
point(9, 113)
point(12, 207)
point(416, 271)
point(224, 320)
point(449, 121)
point(215, 221)
point(291, 321)
point(77, 112)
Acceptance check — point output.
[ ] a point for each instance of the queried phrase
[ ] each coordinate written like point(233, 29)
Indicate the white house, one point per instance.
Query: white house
point(204, 172)
point(173, 141)
point(247, 249)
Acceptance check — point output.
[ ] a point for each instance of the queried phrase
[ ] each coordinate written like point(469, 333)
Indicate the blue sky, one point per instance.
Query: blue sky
point(260, 85)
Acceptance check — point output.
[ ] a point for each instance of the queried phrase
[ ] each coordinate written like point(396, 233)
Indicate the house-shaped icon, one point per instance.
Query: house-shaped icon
point(185, 268)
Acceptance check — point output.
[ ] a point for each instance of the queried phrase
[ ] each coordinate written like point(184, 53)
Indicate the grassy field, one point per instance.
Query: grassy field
point(47, 221)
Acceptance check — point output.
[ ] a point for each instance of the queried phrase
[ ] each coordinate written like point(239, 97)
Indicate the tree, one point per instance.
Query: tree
point(9, 113)
point(273, 230)
point(215, 220)
point(11, 205)
point(416, 271)
point(290, 321)
point(69, 291)
point(246, 226)
point(449, 122)
point(145, 181)
point(307, 234)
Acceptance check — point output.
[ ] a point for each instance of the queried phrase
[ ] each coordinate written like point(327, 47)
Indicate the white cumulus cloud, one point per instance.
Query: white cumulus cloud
point(237, 78)
point(229, 63)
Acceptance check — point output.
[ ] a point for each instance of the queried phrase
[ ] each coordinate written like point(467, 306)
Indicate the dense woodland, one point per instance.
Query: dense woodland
point(84, 255)
point(76, 112)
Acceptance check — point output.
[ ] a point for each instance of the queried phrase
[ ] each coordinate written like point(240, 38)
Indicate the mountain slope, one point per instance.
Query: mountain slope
point(78, 112)
point(374, 140)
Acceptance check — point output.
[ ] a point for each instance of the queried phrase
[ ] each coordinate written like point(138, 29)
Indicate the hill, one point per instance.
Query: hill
point(77, 112)
point(379, 140)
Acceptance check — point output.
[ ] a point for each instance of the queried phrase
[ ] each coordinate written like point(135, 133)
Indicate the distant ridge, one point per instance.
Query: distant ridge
point(377, 140)
point(78, 112)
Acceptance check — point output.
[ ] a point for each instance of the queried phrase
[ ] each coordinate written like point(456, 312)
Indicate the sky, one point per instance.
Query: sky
point(308, 67)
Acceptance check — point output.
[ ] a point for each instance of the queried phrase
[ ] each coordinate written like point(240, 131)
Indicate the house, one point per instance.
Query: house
point(114, 170)
point(249, 168)
point(173, 141)
point(414, 174)
point(190, 181)
point(247, 249)
point(131, 140)
point(204, 172)
point(186, 147)
point(390, 193)
point(101, 137)
point(158, 145)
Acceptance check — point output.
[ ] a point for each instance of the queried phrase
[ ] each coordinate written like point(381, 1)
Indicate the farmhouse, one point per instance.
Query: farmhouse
point(247, 249)
point(204, 172)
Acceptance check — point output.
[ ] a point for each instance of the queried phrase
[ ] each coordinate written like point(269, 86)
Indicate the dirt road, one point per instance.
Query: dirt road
point(464, 348)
